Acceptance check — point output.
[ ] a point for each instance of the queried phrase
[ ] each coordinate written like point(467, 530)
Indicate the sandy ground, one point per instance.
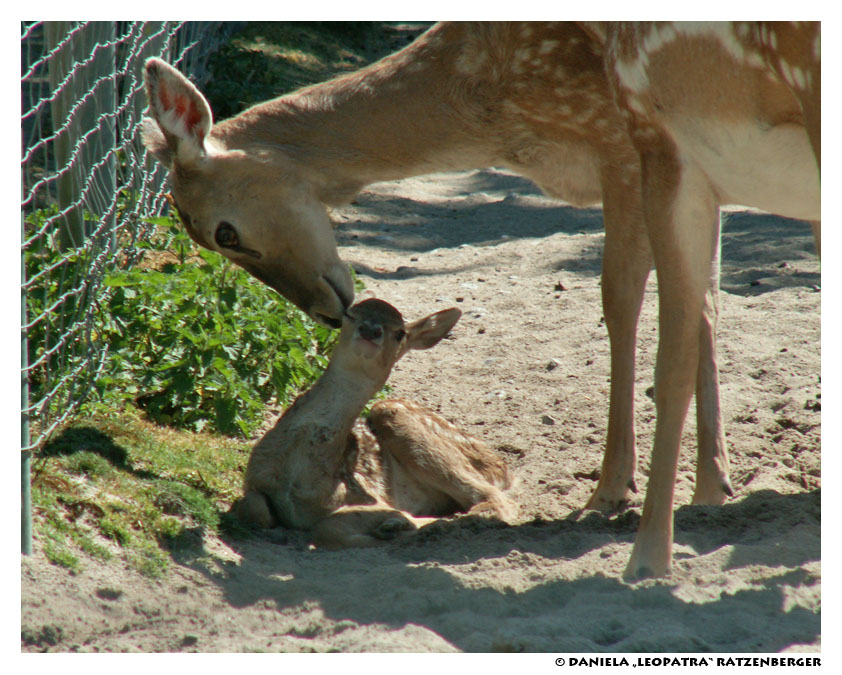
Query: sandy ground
point(527, 370)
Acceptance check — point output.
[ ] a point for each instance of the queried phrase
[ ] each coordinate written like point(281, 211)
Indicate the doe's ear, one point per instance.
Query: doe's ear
point(181, 117)
point(429, 331)
point(155, 142)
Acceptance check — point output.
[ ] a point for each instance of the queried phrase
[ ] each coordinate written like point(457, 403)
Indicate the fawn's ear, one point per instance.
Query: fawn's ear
point(427, 332)
point(181, 117)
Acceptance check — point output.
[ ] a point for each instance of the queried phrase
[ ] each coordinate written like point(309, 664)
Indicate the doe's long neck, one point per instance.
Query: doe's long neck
point(354, 130)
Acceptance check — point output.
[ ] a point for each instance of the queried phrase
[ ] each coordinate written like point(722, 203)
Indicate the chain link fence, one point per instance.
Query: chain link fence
point(87, 189)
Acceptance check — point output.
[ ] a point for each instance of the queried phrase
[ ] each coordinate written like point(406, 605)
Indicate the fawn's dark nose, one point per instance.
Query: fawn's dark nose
point(371, 331)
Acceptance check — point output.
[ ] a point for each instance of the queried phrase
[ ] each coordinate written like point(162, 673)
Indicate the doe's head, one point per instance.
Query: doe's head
point(245, 198)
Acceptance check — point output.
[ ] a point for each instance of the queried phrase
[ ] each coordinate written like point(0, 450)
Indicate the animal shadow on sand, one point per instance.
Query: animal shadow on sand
point(408, 582)
point(497, 206)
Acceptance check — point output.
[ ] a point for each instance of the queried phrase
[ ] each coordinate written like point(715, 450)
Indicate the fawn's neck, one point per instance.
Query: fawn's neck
point(331, 406)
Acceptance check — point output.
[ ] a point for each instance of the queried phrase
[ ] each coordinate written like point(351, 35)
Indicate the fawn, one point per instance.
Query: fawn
point(358, 483)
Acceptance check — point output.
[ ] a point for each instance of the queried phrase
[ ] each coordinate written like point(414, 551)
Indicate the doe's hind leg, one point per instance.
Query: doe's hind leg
point(443, 464)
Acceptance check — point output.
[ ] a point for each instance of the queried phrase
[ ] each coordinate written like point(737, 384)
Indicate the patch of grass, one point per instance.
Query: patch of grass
point(63, 538)
point(60, 554)
point(92, 548)
point(185, 501)
point(120, 483)
point(148, 559)
point(90, 464)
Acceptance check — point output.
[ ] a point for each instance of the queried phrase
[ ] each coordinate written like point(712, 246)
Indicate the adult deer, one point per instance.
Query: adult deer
point(531, 97)
point(358, 483)
point(720, 113)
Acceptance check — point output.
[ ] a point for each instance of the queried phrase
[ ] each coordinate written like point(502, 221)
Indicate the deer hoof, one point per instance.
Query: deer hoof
point(393, 527)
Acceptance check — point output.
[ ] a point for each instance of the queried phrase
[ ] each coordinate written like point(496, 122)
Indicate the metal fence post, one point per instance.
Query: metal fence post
point(103, 114)
point(87, 190)
point(62, 67)
point(26, 454)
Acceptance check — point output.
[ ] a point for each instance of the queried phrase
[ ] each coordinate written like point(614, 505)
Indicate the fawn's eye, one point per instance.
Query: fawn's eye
point(400, 335)
point(226, 236)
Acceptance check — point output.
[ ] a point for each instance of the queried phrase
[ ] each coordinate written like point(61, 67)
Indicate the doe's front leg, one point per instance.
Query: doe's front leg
point(626, 264)
point(682, 219)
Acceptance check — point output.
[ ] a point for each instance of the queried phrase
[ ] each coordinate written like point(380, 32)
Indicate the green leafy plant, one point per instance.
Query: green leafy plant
point(196, 343)
point(58, 306)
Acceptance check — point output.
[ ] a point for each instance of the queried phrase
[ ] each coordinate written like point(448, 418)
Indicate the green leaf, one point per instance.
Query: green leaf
point(201, 345)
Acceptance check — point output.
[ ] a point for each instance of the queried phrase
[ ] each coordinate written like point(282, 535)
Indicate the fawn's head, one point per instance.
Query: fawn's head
point(249, 204)
point(375, 336)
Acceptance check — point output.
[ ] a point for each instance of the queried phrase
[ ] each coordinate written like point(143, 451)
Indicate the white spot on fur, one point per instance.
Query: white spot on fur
point(786, 71)
point(471, 62)
point(755, 60)
point(718, 30)
point(634, 104)
point(632, 74)
point(658, 38)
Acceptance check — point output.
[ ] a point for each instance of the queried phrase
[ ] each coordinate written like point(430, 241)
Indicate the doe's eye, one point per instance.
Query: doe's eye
point(400, 335)
point(226, 236)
